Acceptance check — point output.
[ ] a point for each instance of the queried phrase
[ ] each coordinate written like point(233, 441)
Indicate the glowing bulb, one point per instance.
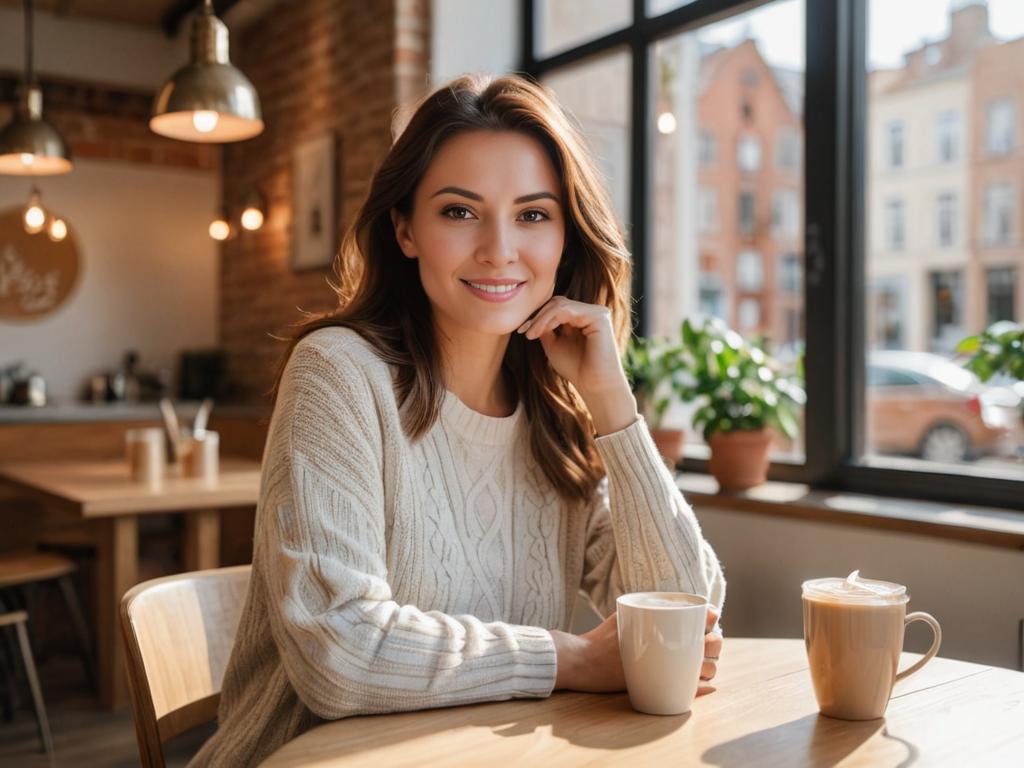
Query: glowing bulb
point(205, 120)
point(28, 159)
point(666, 122)
point(35, 218)
point(57, 230)
point(252, 218)
point(219, 229)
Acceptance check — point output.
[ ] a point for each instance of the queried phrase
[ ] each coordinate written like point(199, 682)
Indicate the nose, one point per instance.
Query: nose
point(498, 244)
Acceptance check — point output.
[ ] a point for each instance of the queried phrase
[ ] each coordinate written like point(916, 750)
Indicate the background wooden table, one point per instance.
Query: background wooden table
point(103, 493)
point(762, 713)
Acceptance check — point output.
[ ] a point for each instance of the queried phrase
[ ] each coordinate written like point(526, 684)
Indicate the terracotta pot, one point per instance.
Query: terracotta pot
point(739, 460)
point(670, 444)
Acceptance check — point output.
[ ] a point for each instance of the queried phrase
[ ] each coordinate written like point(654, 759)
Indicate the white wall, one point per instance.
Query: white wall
point(148, 271)
point(472, 36)
point(83, 49)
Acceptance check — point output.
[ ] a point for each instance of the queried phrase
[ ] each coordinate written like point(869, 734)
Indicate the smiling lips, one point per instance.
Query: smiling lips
point(494, 291)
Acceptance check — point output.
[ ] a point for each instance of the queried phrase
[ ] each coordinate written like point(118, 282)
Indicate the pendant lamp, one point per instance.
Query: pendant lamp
point(208, 100)
point(29, 145)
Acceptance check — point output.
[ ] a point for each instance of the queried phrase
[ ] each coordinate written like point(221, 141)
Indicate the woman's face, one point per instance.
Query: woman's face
point(487, 212)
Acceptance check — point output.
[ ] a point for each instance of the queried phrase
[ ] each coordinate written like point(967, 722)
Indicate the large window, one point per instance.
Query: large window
point(894, 165)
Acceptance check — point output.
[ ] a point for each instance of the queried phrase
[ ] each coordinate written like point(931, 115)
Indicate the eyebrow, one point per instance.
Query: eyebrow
point(479, 198)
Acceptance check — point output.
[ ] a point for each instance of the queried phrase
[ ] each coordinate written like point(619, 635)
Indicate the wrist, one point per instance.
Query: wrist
point(567, 653)
point(613, 409)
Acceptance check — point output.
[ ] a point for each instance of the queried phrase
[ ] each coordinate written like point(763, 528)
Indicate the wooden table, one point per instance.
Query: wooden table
point(103, 493)
point(762, 713)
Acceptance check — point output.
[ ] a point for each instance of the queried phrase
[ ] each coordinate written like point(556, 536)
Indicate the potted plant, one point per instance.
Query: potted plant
point(654, 367)
point(740, 396)
point(998, 351)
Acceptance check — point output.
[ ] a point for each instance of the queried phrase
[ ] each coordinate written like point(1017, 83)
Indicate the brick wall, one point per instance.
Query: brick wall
point(338, 65)
point(107, 123)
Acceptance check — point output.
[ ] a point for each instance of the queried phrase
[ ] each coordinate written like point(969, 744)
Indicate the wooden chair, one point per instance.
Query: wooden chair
point(21, 571)
point(178, 633)
point(18, 619)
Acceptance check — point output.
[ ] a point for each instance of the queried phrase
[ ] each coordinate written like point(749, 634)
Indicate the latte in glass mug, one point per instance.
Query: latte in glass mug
point(853, 632)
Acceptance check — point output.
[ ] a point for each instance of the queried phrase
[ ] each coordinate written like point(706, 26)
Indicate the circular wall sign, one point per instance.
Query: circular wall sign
point(36, 274)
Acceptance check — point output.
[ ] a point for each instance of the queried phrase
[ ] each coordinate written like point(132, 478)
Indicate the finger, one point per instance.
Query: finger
point(713, 645)
point(708, 670)
point(711, 618)
point(543, 310)
point(703, 690)
point(566, 312)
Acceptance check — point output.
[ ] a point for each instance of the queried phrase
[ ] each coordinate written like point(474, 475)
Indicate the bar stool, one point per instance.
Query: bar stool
point(18, 619)
point(20, 572)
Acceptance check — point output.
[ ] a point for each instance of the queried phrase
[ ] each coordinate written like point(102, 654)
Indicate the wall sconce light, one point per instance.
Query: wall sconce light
point(221, 229)
point(56, 228)
point(255, 211)
point(34, 217)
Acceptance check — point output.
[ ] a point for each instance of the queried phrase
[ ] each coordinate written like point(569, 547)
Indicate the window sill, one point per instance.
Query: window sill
point(972, 524)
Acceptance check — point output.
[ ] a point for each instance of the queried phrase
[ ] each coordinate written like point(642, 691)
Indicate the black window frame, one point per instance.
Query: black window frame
point(834, 237)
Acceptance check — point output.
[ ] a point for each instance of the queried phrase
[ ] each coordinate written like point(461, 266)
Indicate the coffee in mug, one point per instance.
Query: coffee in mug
point(853, 632)
point(661, 643)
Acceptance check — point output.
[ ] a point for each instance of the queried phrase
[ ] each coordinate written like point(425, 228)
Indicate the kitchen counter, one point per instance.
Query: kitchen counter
point(72, 412)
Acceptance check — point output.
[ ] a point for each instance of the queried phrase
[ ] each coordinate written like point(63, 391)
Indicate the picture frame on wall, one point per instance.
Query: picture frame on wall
point(314, 202)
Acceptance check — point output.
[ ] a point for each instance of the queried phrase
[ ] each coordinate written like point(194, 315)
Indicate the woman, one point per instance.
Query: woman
point(455, 451)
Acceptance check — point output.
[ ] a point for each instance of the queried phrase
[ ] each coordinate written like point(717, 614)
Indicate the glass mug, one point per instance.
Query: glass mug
point(853, 632)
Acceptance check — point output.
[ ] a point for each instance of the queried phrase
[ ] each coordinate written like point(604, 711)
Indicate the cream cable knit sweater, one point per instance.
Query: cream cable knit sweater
point(392, 576)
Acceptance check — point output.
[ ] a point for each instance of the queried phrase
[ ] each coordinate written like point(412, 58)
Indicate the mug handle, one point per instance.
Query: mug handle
point(936, 642)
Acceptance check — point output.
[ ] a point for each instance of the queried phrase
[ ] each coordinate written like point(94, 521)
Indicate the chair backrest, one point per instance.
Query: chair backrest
point(178, 633)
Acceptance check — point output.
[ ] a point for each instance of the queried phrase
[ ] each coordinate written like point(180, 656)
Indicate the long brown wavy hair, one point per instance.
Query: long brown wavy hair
point(380, 295)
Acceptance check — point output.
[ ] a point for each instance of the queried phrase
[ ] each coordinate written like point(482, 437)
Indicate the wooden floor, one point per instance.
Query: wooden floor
point(84, 736)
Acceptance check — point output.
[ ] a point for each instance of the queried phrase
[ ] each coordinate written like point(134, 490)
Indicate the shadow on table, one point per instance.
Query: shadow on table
point(812, 740)
point(588, 727)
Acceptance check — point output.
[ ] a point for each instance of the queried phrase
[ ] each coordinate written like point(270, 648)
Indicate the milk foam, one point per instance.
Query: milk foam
point(854, 588)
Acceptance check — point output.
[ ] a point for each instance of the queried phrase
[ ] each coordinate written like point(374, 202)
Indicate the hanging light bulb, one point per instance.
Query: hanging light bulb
point(34, 217)
point(56, 229)
point(208, 100)
point(254, 212)
point(220, 229)
point(29, 145)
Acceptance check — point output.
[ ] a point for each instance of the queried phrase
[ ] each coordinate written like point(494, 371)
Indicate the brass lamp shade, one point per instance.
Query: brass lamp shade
point(228, 104)
point(29, 145)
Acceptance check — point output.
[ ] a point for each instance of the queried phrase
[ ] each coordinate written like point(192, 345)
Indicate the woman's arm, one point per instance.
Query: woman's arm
point(347, 646)
point(642, 535)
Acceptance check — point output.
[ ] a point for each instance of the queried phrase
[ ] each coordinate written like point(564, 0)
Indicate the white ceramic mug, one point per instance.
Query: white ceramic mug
point(661, 642)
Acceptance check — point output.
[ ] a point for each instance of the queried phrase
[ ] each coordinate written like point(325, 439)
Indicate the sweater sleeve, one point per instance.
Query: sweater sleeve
point(642, 535)
point(347, 646)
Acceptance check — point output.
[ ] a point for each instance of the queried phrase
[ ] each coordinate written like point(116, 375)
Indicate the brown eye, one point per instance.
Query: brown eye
point(455, 208)
point(536, 211)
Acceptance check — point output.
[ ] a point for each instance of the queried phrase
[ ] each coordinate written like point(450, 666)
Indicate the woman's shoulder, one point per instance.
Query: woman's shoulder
point(342, 355)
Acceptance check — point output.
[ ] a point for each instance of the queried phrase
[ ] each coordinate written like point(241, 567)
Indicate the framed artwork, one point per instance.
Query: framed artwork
point(314, 202)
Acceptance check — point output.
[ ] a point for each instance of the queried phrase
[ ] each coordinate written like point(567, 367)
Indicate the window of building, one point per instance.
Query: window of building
point(785, 214)
point(707, 149)
point(748, 153)
point(787, 149)
point(887, 314)
point(712, 295)
point(748, 221)
point(1000, 294)
point(790, 274)
point(895, 232)
point(750, 314)
point(1000, 127)
point(997, 214)
point(946, 213)
point(947, 136)
point(894, 145)
point(947, 310)
point(707, 215)
point(749, 271)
